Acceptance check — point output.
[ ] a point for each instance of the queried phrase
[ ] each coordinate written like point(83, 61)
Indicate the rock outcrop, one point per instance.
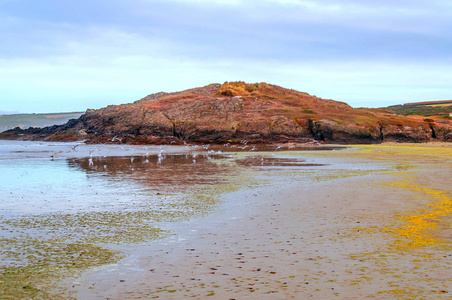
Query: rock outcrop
point(236, 111)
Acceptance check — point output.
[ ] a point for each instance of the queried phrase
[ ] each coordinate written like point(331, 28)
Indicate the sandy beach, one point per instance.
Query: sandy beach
point(179, 222)
point(344, 238)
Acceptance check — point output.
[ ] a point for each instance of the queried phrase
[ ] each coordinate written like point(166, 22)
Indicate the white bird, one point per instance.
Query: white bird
point(160, 156)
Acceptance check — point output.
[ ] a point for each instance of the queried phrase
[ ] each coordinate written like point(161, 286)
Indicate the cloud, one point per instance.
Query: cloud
point(288, 30)
point(66, 84)
point(117, 51)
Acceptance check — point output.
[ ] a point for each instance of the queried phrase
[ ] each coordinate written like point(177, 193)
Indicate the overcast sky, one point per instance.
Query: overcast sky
point(70, 55)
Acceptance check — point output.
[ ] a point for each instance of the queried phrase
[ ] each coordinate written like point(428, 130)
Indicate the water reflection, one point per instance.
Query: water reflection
point(157, 171)
point(177, 172)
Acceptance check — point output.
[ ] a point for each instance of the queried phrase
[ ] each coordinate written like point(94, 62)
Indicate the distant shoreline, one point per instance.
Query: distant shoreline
point(24, 121)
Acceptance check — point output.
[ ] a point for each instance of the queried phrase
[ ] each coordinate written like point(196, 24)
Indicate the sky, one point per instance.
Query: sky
point(71, 55)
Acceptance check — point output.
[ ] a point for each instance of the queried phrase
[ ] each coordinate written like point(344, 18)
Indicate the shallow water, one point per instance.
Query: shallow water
point(41, 177)
point(44, 177)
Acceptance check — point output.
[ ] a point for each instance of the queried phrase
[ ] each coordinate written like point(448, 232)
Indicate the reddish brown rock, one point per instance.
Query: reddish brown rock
point(233, 112)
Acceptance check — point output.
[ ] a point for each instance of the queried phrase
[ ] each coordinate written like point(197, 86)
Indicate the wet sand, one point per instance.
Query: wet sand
point(347, 238)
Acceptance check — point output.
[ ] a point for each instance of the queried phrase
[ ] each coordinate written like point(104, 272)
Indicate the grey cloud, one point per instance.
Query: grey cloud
point(254, 30)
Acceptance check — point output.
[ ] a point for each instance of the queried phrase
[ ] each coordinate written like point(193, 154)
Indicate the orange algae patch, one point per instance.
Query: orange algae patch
point(417, 230)
point(413, 229)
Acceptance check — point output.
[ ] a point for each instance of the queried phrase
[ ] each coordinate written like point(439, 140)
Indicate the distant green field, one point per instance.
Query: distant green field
point(430, 108)
point(35, 120)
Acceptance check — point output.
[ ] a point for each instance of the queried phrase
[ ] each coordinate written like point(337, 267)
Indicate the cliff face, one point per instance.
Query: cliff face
point(233, 112)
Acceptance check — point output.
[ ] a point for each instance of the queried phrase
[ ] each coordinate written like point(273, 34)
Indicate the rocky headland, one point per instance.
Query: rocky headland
point(233, 112)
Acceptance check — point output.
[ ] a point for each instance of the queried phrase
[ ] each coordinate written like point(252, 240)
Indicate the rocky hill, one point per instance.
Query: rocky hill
point(236, 111)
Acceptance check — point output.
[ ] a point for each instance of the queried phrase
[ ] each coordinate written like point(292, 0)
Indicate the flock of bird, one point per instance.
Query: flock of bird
point(161, 149)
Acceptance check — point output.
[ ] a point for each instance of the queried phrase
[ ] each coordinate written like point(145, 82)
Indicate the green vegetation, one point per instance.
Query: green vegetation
point(308, 111)
point(423, 109)
point(42, 263)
